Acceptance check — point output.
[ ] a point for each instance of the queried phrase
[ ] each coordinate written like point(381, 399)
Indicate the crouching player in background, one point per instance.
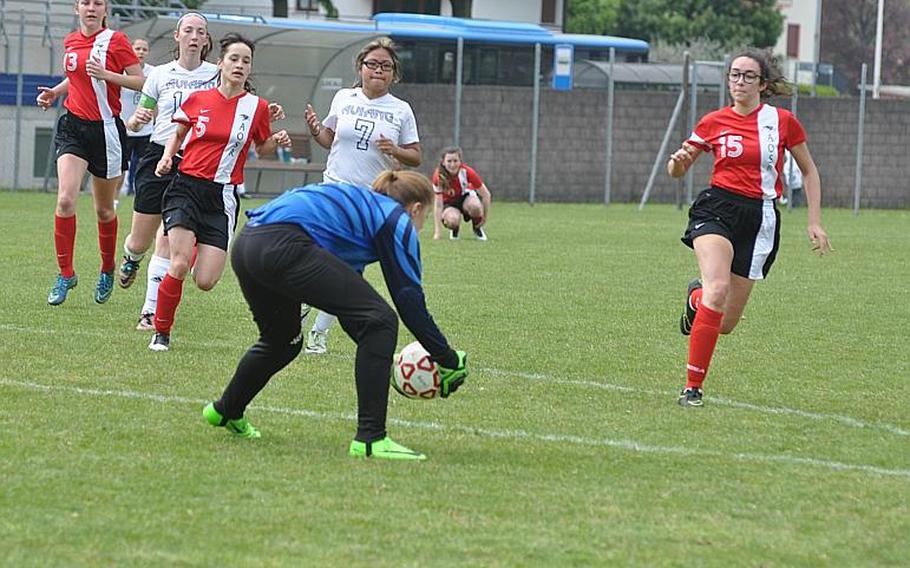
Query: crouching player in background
point(302, 248)
point(460, 193)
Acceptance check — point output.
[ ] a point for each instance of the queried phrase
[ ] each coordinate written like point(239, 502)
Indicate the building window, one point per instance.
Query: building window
point(548, 12)
point(307, 5)
point(793, 41)
point(431, 7)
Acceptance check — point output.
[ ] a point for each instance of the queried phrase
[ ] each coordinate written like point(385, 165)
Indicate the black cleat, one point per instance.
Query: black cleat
point(688, 316)
point(691, 396)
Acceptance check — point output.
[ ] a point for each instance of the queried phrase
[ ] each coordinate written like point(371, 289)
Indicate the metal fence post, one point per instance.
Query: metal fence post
point(857, 185)
point(17, 151)
point(459, 69)
point(609, 168)
point(535, 124)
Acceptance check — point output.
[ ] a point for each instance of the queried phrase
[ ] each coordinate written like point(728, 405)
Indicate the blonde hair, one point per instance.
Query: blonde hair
point(380, 43)
point(405, 187)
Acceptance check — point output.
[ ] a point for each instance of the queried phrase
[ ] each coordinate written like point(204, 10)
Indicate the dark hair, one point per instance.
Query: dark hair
point(226, 42)
point(381, 43)
point(207, 48)
point(771, 75)
point(446, 178)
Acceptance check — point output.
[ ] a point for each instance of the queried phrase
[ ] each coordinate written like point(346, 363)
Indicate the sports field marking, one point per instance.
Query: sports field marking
point(628, 445)
point(543, 377)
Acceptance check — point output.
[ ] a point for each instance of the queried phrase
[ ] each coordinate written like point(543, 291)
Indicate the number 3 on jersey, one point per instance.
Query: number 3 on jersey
point(731, 146)
point(365, 128)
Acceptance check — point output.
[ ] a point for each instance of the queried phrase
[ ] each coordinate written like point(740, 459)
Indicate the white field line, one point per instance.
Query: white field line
point(627, 445)
point(591, 384)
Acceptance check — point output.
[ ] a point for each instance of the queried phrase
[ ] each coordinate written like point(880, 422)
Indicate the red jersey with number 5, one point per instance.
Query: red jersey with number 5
point(94, 99)
point(748, 150)
point(221, 131)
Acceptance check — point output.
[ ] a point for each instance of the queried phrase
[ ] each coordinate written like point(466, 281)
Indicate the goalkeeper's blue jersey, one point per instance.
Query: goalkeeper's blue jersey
point(361, 226)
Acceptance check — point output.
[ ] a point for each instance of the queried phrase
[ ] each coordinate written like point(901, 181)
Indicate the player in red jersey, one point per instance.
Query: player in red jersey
point(734, 226)
point(200, 205)
point(90, 136)
point(460, 193)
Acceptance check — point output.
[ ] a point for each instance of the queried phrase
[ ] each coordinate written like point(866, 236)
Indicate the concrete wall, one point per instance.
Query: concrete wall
point(496, 129)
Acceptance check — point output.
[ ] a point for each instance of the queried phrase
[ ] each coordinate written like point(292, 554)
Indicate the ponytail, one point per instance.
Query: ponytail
point(405, 187)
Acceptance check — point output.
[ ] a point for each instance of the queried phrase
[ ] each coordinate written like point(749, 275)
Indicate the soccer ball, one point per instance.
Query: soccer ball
point(414, 374)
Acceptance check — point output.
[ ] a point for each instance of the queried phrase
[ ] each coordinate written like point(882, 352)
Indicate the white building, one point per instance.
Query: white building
point(800, 36)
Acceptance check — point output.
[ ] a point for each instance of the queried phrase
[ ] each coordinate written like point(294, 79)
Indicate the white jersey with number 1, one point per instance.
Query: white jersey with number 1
point(170, 85)
point(358, 123)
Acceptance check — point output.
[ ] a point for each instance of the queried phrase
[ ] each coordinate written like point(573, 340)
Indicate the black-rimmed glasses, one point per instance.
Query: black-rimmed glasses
point(373, 65)
point(748, 77)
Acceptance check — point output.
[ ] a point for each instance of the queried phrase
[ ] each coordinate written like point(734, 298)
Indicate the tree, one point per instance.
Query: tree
point(731, 23)
point(848, 39)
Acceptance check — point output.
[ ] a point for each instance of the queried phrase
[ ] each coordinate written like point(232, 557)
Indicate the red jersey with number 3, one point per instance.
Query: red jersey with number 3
point(221, 131)
point(465, 180)
point(748, 150)
point(94, 99)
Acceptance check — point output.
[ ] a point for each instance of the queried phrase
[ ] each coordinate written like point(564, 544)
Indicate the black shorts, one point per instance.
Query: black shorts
point(751, 225)
point(97, 142)
point(459, 205)
point(150, 188)
point(135, 144)
point(207, 208)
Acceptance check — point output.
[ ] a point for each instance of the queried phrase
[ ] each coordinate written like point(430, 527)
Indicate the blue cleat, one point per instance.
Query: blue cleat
point(104, 287)
point(61, 286)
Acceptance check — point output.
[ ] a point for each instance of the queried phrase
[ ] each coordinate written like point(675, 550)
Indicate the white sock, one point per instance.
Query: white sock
point(157, 269)
point(132, 255)
point(324, 322)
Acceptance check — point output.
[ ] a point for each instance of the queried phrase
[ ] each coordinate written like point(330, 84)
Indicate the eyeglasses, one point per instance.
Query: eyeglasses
point(373, 65)
point(748, 78)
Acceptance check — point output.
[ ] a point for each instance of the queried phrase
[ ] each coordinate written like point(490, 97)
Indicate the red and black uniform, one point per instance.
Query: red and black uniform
point(459, 186)
point(203, 195)
point(739, 206)
point(747, 180)
point(91, 129)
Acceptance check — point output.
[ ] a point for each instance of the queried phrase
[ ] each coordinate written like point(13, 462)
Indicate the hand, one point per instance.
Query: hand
point(451, 379)
point(386, 146)
point(312, 120)
point(282, 138)
point(164, 166)
point(276, 112)
point(46, 97)
point(143, 116)
point(819, 239)
point(685, 155)
point(95, 70)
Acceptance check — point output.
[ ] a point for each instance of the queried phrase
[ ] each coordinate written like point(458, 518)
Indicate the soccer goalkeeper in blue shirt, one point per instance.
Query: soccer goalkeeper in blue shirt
point(310, 246)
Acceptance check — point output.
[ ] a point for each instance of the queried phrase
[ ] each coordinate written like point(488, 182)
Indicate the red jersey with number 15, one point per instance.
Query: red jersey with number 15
point(94, 99)
point(221, 131)
point(748, 150)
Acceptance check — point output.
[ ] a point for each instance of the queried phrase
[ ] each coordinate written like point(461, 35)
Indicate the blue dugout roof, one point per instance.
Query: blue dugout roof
point(419, 26)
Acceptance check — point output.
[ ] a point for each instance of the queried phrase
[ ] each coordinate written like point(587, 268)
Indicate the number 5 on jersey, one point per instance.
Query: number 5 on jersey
point(731, 146)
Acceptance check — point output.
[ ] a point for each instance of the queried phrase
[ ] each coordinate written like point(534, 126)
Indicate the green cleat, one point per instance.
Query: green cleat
point(61, 286)
point(384, 449)
point(104, 287)
point(239, 427)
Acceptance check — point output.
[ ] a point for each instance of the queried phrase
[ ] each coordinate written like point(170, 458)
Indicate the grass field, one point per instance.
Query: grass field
point(565, 447)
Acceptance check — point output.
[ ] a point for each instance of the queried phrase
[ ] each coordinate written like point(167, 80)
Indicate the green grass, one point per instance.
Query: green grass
point(565, 447)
